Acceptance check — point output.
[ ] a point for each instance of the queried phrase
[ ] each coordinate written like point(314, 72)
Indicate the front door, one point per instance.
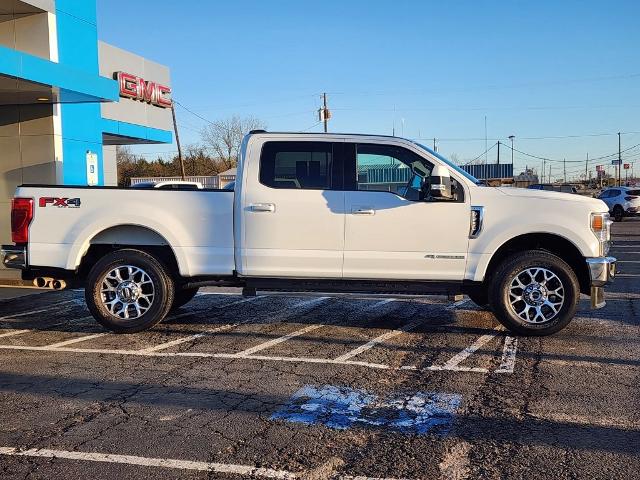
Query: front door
point(293, 211)
point(392, 229)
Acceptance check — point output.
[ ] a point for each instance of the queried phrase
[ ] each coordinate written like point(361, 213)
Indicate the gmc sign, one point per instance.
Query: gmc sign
point(137, 88)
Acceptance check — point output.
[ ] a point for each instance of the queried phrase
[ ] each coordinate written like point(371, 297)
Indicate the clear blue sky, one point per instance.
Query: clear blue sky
point(435, 69)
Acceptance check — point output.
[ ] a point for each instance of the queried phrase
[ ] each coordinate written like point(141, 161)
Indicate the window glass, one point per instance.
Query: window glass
point(296, 165)
point(633, 192)
point(391, 169)
point(605, 194)
point(614, 193)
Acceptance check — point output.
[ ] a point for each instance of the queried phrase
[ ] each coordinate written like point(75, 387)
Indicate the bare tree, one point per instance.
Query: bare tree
point(223, 137)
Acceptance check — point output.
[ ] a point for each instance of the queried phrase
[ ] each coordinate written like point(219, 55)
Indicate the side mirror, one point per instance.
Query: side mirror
point(441, 182)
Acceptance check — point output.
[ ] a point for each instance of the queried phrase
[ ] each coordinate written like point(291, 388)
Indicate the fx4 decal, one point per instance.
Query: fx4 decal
point(60, 202)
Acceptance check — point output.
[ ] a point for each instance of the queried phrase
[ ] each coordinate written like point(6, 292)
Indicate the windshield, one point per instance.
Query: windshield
point(451, 165)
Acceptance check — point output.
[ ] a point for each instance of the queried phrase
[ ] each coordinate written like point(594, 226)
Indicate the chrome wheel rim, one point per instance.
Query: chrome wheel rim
point(536, 295)
point(127, 292)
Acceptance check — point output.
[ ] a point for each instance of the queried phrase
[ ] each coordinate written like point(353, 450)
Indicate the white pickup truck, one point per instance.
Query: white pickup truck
point(330, 213)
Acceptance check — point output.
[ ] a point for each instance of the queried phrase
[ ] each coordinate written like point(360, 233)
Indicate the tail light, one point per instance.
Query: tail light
point(21, 216)
point(630, 197)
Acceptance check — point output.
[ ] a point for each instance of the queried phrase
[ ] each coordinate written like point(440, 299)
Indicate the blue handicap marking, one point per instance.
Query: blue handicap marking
point(342, 407)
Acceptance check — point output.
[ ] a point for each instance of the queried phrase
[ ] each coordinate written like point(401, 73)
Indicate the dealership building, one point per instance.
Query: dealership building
point(67, 100)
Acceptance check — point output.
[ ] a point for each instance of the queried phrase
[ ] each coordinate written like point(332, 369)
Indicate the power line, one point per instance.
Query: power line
point(312, 126)
point(193, 113)
point(494, 87)
point(573, 161)
point(483, 153)
point(553, 137)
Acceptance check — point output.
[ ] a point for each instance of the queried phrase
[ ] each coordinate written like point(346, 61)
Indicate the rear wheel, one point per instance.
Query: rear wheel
point(183, 296)
point(128, 291)
point(534, 293)
point(618, 213)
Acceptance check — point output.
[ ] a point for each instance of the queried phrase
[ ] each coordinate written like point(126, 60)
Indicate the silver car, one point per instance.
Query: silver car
point(622, 201)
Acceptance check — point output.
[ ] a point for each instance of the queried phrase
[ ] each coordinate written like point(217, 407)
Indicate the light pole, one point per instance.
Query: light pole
point(511, 137)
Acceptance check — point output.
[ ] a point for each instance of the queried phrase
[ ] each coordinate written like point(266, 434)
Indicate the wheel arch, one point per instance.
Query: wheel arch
point(118, 237)
point(549, 242)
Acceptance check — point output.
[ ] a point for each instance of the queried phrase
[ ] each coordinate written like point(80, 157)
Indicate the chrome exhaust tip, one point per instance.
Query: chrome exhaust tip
point(49, 283)
point(41, 282)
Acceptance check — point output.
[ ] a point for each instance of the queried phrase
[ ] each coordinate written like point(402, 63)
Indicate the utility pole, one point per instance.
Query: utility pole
point(564, 176)
point(486, 145)
point(325, 114)
point(175, 129)
point(435, 148)
point(586, 168)
point(550, 173)
point(542, 179)
point(498, 152)
point(619, 160)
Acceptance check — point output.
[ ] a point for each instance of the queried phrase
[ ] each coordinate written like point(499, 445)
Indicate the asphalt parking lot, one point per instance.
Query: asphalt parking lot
point(302, 387)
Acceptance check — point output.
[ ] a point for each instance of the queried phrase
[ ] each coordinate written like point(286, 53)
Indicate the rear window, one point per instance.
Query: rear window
point(296, 165)
point(633, 192)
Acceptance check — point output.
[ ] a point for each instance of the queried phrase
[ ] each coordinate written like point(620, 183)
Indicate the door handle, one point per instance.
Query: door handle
point(363, 211)
point(263, 207)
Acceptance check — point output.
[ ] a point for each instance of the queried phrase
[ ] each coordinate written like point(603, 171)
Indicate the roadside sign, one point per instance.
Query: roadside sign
point(616, 162)
point(627, 166)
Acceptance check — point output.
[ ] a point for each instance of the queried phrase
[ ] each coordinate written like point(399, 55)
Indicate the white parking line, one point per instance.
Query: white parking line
point(170, 463)
point(243, 470)
point(380, 303)
point(628, 261)
point(454, 362)
point(179, 341)
point(276, 341)
point(238, 302)
point(372, 343)
point(33, 312)
point(233, 356)
point(76, 340)
point(634, 275)
point(457, 304)
point(14, 333)
point(508, 361)
point(310, 303)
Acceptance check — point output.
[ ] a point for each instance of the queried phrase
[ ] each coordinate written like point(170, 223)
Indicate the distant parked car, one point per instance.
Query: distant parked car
point(554, 188)
point(622, 201)
point(170, 185)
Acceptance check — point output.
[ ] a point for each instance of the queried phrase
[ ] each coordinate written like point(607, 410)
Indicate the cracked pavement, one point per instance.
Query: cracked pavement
point(569, 409)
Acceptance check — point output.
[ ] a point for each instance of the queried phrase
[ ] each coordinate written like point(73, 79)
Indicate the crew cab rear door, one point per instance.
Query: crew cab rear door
point(292, 219)
point(390, 233)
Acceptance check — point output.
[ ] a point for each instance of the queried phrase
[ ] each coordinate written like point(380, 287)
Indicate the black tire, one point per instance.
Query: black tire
point(618, 213)
point(183, 296)
point(550, 321)
point(132, 288)
point(480, 296)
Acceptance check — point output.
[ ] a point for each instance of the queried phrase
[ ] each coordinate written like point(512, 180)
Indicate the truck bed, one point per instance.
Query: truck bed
point(196, 224)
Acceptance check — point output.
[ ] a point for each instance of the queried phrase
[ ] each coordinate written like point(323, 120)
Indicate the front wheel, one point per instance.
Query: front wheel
point(534, 293)
point(128, 291)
